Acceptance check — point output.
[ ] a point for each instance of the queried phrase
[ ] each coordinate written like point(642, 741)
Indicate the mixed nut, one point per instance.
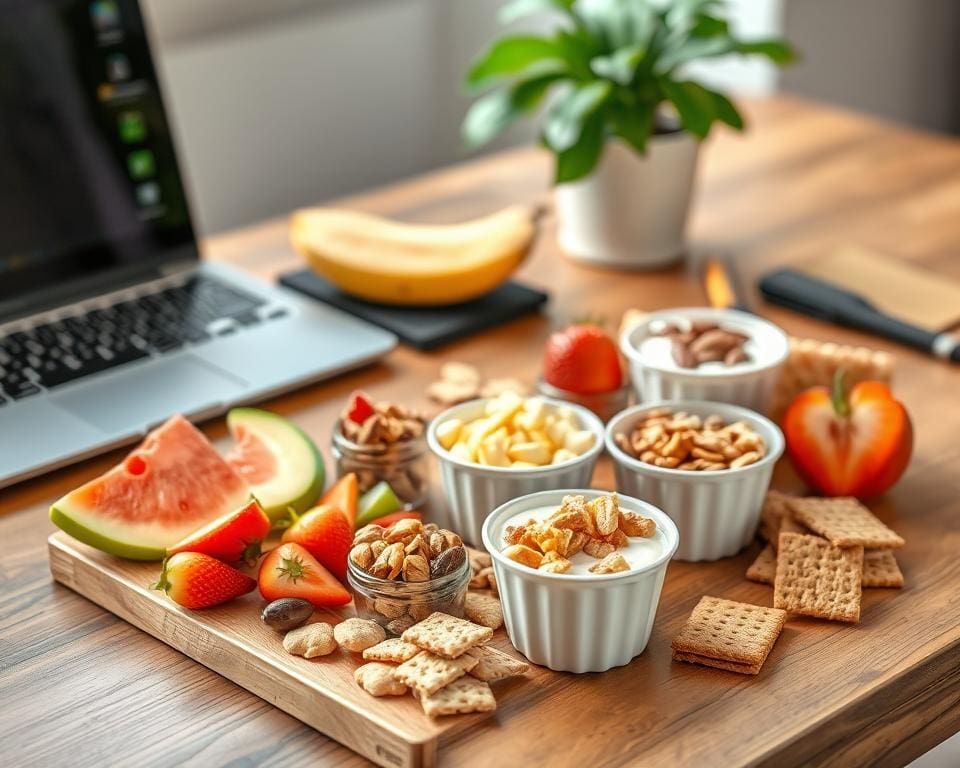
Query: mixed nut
point(705, 341)
point(679, 440)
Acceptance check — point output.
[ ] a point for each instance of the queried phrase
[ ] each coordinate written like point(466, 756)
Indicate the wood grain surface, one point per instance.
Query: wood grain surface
point(80, 687)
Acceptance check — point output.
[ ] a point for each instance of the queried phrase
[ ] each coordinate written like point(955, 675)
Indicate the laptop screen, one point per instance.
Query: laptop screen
point(88, 177)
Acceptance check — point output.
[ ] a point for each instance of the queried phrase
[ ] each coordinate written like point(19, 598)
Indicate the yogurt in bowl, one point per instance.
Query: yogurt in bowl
point(578, 620)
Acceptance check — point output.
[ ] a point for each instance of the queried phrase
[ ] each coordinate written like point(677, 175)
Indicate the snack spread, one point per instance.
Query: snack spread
point(694, 343)
point(678, 440)
point(580, 537)
point(516, 432)
point(381, 441)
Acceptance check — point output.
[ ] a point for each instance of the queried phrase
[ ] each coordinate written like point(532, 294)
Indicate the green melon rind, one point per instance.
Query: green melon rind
point(68, 525)
point(314, 490)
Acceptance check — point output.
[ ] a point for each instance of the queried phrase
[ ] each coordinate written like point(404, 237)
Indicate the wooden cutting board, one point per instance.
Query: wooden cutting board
point(231, 640)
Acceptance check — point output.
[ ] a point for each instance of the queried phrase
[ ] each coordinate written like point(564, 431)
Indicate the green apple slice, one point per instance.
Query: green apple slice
point(377, 502)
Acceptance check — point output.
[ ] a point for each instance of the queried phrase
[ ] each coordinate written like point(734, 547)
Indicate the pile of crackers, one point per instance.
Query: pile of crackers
point(821, 554)
point(444, 662)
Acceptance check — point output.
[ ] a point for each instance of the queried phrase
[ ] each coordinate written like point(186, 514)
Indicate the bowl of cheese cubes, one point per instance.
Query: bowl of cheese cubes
point(496, 449)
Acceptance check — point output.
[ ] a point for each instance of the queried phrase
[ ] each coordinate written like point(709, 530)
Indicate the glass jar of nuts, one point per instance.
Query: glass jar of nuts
point(383, 441)
point(401, 574)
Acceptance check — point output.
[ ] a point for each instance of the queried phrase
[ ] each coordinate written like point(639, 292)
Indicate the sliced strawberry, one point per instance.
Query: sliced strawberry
point(291, 571)
point(343, 495)
point(195, 580)
point(387, 520)
point(582, 359)
point(235, 536)
point(325, 533)
point(359, 409)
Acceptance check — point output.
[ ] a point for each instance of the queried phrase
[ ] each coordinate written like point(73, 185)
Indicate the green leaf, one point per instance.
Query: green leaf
point(510, 56)
point(580, 159)
point(725, 110)
point(520, 9)
point(619, 66)
point(709, 26)
point(694, 105)
point(576, 47)
point(695, 48)
point(491, 114)
point(618, 23)
point(632, 124)
point(566, 119)
point(778, 51)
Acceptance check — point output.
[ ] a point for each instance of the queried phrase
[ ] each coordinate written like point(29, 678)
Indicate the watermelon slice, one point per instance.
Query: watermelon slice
point(172, 484)
point(282, 465)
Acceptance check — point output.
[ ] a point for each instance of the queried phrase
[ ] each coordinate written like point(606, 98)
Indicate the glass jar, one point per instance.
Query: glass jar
point(405, 465)
point(396, 605)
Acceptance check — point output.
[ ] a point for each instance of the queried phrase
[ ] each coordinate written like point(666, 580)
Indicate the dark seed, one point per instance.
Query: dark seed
point(287, 613)
point(447, 562)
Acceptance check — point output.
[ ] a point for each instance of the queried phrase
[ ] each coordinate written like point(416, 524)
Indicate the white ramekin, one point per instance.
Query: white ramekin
point(475, 490)
point(749, 384)
point(717, 513)
point(577, 622)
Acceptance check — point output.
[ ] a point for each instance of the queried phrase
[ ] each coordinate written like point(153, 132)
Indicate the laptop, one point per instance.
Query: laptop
point(109, 322)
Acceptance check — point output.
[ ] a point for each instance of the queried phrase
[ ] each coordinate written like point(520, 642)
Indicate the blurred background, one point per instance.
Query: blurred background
point(259, 90)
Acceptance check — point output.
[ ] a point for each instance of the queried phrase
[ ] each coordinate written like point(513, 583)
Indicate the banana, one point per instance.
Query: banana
point(390, 262)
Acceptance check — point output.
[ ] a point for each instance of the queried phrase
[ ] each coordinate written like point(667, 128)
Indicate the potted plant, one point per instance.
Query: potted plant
point(623, 121)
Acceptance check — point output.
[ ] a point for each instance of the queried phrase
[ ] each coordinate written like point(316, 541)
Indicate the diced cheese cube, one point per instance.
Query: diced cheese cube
point(579, 441)
point(460, 451)
point(493, 453)
point(557, 432)
point(563, 455)
point(497, 436)
point(535, 453)
point(519, 436)
point(524, 465)
point(448, 432)
point(539, 436)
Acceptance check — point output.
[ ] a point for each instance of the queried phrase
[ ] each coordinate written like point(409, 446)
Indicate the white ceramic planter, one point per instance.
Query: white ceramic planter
point(717, 513)
point(573, 622)
point(631, 212)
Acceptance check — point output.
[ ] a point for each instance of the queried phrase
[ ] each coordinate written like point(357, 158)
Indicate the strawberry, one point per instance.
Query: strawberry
point(235, 536)
point(359, 408)
point(291, 571)
point(195, 580)
point(325, 533)
point(582, 359)
point(343, 495)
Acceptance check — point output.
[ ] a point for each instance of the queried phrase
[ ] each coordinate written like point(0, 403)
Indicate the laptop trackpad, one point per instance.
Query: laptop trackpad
point(144, 396)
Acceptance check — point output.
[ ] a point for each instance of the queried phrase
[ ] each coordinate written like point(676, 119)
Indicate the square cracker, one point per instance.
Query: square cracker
point(880, 569)
point(495, 665)
point(392, 649)
point(774, 509)
point(427, 673)
point(815, 578)
point(446, 635)
point(764, 568)
point(464, 695)
point(728, 635)
point(789, 525)
point(845, 522)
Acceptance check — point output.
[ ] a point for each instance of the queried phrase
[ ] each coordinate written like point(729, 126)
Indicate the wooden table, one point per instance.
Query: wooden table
point(80, 687)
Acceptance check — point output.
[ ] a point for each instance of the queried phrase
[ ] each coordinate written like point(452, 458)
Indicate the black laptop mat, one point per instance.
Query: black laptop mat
point(426, 327)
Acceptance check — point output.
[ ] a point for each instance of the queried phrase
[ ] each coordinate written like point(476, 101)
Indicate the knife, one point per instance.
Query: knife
point(818, 298)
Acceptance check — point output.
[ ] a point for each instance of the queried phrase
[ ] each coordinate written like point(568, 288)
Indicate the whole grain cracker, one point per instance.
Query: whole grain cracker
point(764, 568)
point(393, 649)
point(446, 635)
point(815, 578)
point(728, 635)
point(772, 513)
point(484, 610)
point(789, 525)
point(880, 569)
point(844, 522)
point(427, 673)
point(310, 641)
point(358, 634)
point(493, 665)
point(464, 695)
point(377, 679)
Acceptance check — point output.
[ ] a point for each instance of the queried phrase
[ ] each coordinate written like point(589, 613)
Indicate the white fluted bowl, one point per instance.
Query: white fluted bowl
point(473, 491)
point(717, 512)
point(577, 622)
point(749, 384)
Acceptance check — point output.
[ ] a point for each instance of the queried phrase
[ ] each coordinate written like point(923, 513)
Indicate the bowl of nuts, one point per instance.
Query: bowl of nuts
point(707, 465)
point(495, 449)
point(718, 355)
point(401, 574)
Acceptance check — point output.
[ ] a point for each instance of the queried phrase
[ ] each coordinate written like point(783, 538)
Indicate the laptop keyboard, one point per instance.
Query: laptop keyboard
point(55, 353)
